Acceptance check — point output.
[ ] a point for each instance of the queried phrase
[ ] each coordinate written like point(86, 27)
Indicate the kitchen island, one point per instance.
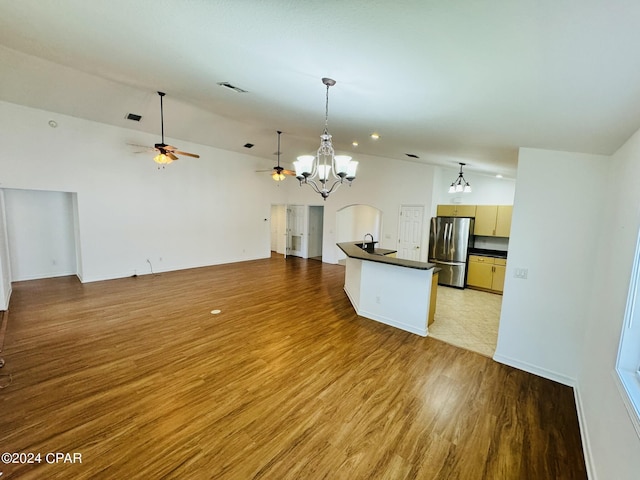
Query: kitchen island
point(393, 291)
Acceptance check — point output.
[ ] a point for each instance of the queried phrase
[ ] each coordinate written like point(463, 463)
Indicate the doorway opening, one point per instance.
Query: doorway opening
point(354, 222)
point(297, 230)
point(42, 233)
point(316, 221)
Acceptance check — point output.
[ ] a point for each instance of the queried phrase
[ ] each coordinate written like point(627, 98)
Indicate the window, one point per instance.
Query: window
point(628, 364)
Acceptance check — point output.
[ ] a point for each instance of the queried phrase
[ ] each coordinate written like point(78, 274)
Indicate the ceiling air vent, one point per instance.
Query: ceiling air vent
point(134, 117)
point(412, 155)
point(232, 87)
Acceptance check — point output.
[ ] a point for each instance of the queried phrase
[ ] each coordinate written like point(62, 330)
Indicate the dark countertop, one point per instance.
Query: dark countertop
point(380, 255)
point(485, 252)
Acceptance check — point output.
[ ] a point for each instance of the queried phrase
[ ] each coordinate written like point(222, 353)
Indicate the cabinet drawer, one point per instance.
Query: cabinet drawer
point(479, 259)
point(499, 261)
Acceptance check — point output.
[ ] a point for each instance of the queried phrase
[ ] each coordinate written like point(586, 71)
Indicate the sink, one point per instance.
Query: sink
point(370, 247)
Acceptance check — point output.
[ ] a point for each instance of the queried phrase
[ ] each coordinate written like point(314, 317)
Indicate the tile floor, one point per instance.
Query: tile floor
point(467, 318)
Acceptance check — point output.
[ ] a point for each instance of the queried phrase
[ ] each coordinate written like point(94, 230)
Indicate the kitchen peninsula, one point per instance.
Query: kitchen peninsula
point(394, 291)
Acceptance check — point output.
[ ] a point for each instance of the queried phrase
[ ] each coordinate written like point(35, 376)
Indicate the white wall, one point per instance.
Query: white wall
point(195, 212)
point(554, 235)
point(41, 234)
point(611, 440)
point(354, 222)
point(486, 189)
point(564, 321)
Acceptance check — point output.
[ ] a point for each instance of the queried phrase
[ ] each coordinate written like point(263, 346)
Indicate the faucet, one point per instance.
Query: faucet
point(364, 241)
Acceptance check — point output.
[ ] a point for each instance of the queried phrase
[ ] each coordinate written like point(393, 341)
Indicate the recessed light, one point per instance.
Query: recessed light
point(248, 145)
point(375, 136)
point(412, 155)
point(133, 116)
point(53, 123)
point(355, 144)
point(498, 176)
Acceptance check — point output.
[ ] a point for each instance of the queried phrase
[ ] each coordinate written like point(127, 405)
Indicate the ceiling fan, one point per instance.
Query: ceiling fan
point(166, 153)
point(278, 173)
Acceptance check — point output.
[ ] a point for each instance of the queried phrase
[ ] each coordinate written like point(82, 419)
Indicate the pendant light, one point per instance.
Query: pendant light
point(316, 171)
point(460, 184)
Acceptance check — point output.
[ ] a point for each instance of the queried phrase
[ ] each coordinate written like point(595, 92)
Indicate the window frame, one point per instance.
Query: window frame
point(627, 371)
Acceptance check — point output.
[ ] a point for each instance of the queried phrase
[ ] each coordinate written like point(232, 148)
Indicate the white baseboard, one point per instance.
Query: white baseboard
point(536, 370)
point(381, 319)
point(387, 321)
point(584, 435)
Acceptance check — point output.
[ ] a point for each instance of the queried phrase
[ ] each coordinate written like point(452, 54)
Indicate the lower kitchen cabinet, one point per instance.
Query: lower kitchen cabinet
point(486, 273)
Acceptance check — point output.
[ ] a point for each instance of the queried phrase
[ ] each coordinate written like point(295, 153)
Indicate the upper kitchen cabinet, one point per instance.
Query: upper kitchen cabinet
point(456, 211)
point(493, 220)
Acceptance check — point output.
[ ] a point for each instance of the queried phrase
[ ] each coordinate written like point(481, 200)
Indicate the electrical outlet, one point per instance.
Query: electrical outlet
point(521, 273)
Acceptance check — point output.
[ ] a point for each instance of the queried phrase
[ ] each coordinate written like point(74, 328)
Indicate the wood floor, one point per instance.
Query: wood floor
point(143, 381)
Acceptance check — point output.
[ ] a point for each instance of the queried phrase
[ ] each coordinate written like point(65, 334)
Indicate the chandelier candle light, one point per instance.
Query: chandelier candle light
point(316, 171)
point(460, 184)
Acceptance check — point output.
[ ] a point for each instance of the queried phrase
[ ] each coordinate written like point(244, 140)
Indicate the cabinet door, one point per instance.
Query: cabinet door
point(499, 272)
point(480, 274)
point(485, 224)
point(465, 210)
point(503, 220)
point(446, 210)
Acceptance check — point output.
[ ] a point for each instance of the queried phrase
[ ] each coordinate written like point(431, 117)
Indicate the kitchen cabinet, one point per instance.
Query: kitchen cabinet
point(493, 220)
point(486, 273)
point(433, 298)
point(456, 211)
point(499, 272)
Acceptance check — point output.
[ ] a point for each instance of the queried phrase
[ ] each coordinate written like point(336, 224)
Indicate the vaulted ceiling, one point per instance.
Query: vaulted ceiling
point(448, 81)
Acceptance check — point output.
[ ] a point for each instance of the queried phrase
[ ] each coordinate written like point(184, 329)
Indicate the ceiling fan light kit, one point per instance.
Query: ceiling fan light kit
point(316, 171)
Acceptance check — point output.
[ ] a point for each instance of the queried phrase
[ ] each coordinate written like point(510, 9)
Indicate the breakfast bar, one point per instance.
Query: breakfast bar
point(393, 291)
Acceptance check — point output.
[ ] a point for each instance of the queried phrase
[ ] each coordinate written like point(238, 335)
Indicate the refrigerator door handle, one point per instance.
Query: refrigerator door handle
point(447, 263)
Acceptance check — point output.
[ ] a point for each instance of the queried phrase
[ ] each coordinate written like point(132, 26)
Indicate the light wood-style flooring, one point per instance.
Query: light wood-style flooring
point(286, 382)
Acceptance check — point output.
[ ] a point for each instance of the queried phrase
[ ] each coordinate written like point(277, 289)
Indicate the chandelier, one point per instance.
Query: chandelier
point(460, 184)
point(317, 171)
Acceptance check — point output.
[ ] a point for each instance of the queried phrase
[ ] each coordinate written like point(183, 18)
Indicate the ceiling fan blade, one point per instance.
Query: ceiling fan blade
point(142, 148)
point(265, 171)
point(186, 153)
point(289, 172)
point(171, 156)
point(169, 148)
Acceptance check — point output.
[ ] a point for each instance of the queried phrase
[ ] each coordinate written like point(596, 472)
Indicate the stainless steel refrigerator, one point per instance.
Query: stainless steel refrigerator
point(449, 241)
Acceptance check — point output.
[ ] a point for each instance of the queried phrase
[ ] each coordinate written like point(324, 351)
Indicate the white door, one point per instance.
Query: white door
point(296, 240)
point(410, 232)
